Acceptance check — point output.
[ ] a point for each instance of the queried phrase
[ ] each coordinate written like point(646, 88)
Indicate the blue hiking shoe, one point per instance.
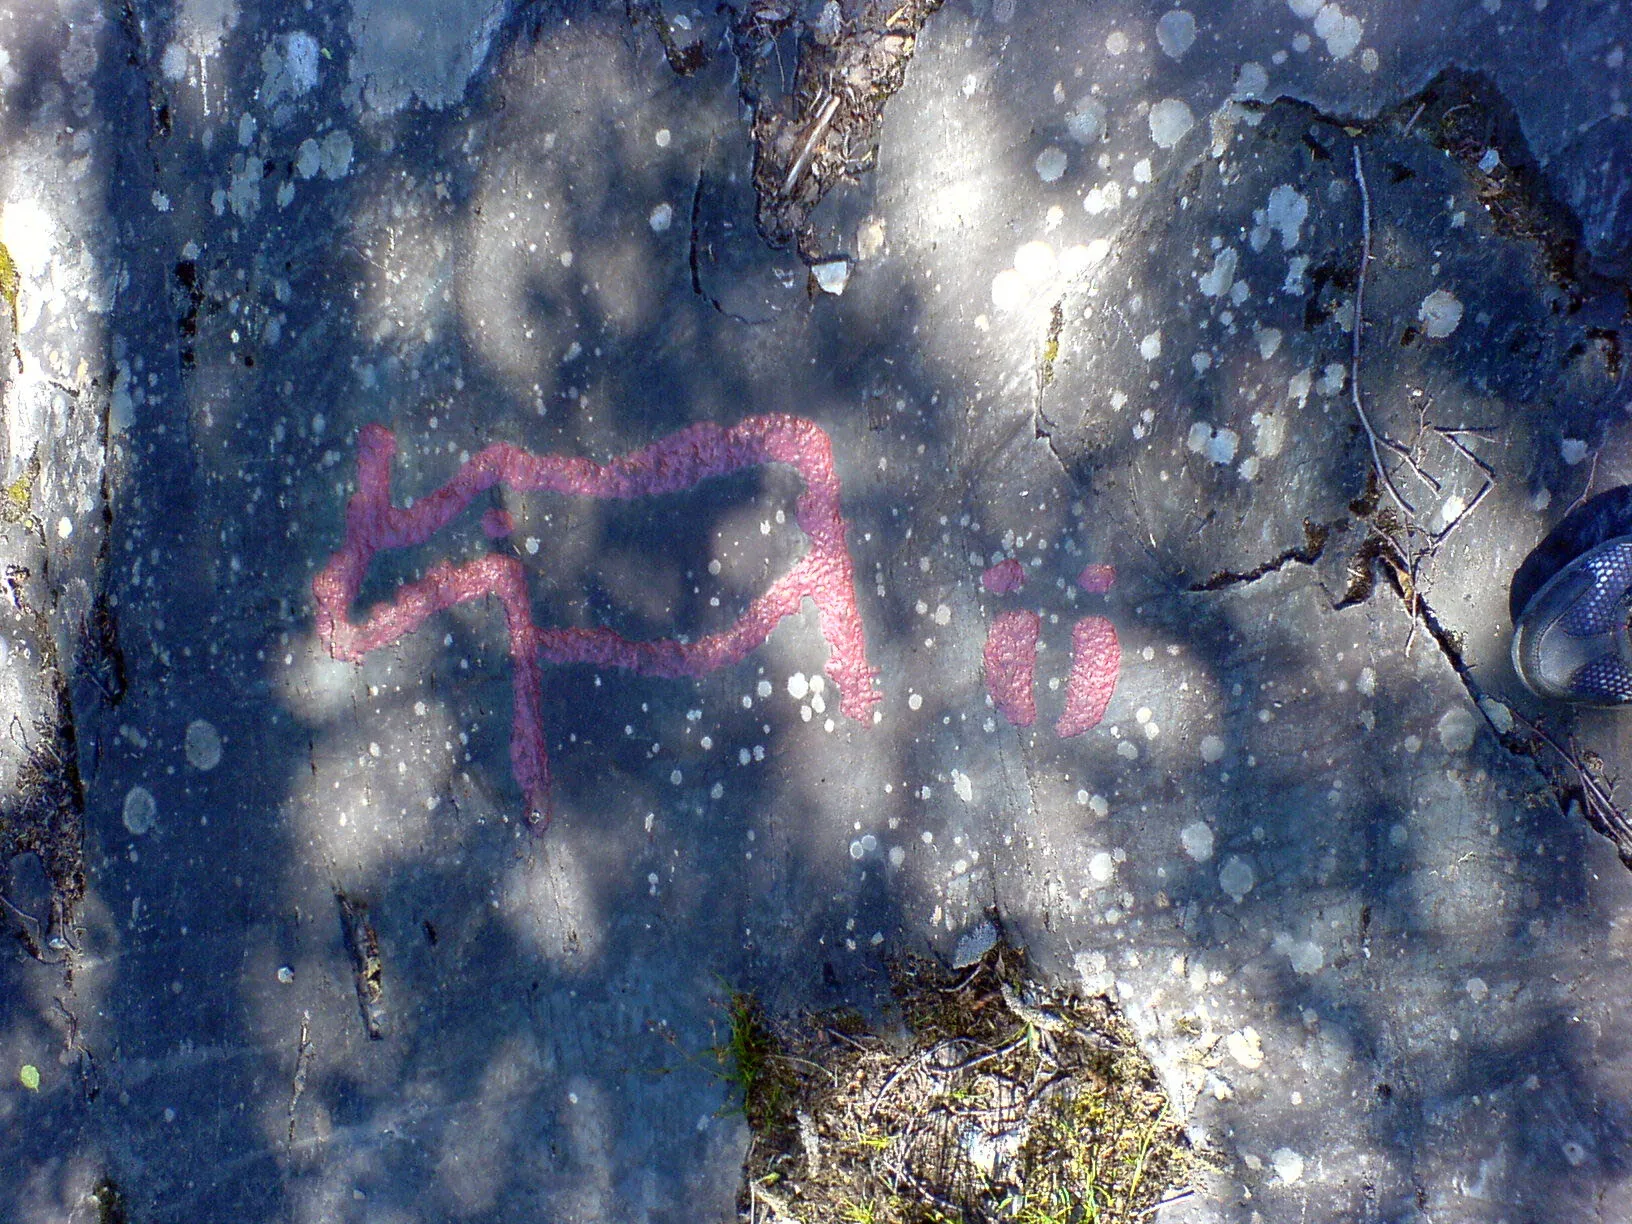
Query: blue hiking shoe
point(1571, 642)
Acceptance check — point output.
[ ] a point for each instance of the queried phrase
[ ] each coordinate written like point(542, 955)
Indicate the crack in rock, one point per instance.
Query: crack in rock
point(1315, 537)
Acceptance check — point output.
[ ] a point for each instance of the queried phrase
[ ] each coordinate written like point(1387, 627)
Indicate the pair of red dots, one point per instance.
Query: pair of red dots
point(1011, 655)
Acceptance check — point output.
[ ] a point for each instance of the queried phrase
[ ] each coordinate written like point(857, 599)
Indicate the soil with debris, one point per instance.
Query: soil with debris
point(991, 1101)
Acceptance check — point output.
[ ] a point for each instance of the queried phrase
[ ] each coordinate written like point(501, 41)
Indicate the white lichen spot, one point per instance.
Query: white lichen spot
point(1150, 347)
point(1251, 83)
point(1573, 450)
point(1116, 42)
point(141, 810)
point(1489, 160)
point(1333, 378)
point(1288, 1165)
point(1170, 120)
point(1102, 867)
point(1304, 8)
point(1245, 1047)
point(1009, 290)
point(1440, 314)
point(1477, 990)
point(1306, 956)
point(798, 686)
point(336, 150)
point(1050, 164)
point(1367, 682)
point(1269, 433)
point(1212, 749)
point(1197, 840)
point(963, 786)
point(1285, 214)
point(1237, 877)
point(1036, 262)
point(308, 158)
point(1085, 122)
point(1455, 730)
point(1501, 718)
point(173, 63)
point(203, 745)
point(1217, 281)
point(1340, 31)
point(1176, 32)
point(1099, 806)
point(660, 218)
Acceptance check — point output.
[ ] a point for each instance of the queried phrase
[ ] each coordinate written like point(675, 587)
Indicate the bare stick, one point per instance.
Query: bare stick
point(1359, 323)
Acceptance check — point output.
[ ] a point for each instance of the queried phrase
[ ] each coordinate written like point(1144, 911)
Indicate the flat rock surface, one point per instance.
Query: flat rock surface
point(282, 942)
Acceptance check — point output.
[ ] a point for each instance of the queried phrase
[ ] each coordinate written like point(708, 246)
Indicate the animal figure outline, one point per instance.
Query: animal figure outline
point(672, 464)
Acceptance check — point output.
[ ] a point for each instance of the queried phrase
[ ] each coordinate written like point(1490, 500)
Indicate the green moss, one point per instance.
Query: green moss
point(10, 282)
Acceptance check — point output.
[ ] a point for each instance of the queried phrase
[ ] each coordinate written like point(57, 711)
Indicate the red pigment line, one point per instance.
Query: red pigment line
point(1004, 577)
point(1011, 665)
point(1097, 579)
point(672, 465)
point(1096, 662)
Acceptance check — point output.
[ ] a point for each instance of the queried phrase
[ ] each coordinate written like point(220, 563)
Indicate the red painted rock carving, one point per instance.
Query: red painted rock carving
point(1096, 662)
point(1011, 665)
point(1004, 577)
point(674, 464)
point(1097, 579)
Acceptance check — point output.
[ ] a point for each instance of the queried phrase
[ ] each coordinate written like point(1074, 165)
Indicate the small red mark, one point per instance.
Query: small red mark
point(675, 463)
point(1097, 579)
point(1096, 662)
point(1004, 577)
point(1011, 665)
point(496, 524)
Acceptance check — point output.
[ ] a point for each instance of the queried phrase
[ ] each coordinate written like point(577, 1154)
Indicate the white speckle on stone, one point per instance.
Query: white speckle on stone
point(1212, 748)
point(660, 218)
point(1216, 283)
point(1102, 867)
point(1176, 32)
point(1051, 163)
point(1116, 42)
point(1339, 31)
point(798, 686)
point(141, 810)
point(65, 527)
point(1455, 730)
point(336, 153)
point(1288, 209)
point(1221, 447)
point(173, 63)
point(1197, 840)
point(1490, 160)
point(963, 786)
point(1477, 990)
point(308, 158)
point(1251, 82)
point(300, 53)
point(1304, 8)
point(1150, 347)
point(1573, 450)
point(286, 974)
point(1245, 1047)
point(1499, 715)
point(1288, 1165)
point(1333, 378)
point(1440, 314)
point(974, 944)
point(1306, 956)
point(1574, 1154)
point(1085, 123)
point(1452, 510)
point(1128, 750)
point(1367, 682)
point(1036, 262)
point(1098, 805)
point(1170, 120)
point(1269, 340)
point(832, 275)
point(1236, 877)
point(203, 745)
point(1269, 433)
point(1009, 290)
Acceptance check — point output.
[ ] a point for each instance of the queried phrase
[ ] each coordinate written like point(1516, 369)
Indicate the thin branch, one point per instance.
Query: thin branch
point(1359, 325)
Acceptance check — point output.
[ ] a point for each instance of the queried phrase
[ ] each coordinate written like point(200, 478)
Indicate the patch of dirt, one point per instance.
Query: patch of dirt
point(824, 126)
point(992, 1101)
